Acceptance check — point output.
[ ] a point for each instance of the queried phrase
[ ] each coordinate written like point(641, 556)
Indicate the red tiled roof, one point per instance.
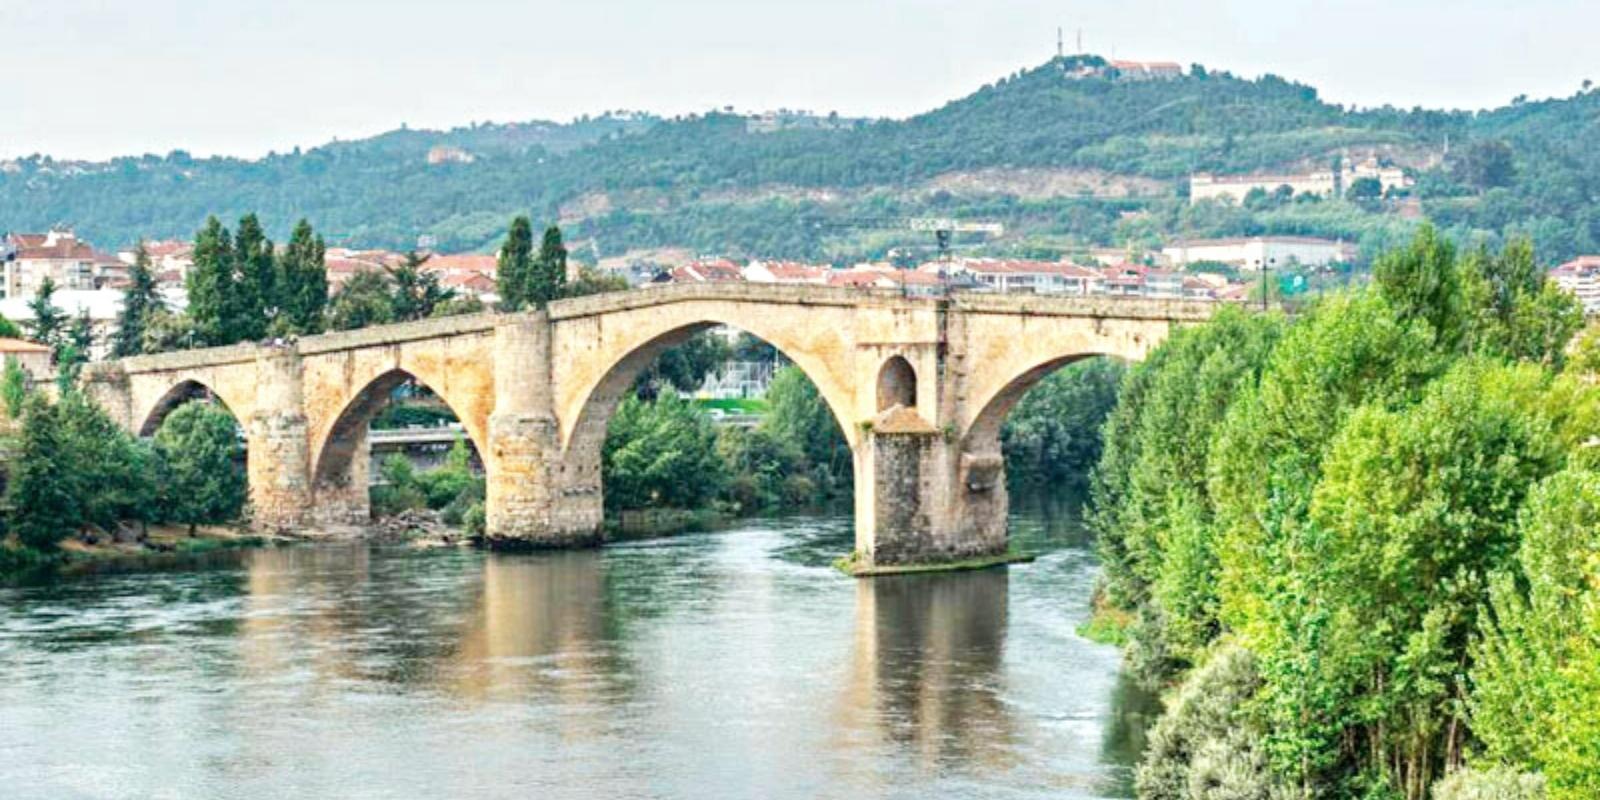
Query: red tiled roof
point(461, 262)
point(707, 271)
point(881, 278)
point(1577, 264)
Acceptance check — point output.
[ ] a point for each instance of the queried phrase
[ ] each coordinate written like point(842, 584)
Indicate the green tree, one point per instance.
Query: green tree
point(514, 270)
point(765, 472)
point(251, 304)
point(417, 294)
point(1165, 534)
point(1052, 437)
point(14, 388)
point(302, 282)
point(1512, 310)
point(684, 366)
point(197, 461)
point(1421, 281)
point(549, 277)
point(1536, 695)
point(9, 329)
point(661, 454)
point(49, 324)
point(44, 492)
point(365, 299)
point(111, 466)
point(139, 300)
point(210, 283)
point(798, 414)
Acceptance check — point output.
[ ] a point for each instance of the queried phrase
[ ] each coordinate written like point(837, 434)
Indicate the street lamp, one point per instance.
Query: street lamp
point(1264, 265)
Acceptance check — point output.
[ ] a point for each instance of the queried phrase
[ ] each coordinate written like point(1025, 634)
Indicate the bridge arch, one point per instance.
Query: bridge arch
point(983, 434)
point(625, 347)
point(340, 449)
point(186, 389)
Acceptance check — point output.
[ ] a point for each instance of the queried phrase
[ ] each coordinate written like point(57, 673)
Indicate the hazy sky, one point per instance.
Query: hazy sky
point(88, 79)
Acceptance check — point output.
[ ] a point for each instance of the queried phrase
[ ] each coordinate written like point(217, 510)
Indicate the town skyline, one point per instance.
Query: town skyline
point(369, 73)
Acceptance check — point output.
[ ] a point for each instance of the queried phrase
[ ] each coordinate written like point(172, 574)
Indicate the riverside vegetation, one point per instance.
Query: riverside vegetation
point(1362, 547)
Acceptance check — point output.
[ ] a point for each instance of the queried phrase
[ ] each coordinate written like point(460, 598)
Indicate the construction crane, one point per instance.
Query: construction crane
point(943, 229)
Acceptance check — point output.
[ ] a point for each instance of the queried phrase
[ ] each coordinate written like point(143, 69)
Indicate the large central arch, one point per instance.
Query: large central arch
point(341, 455)
point(602, 358)
point(582, 448)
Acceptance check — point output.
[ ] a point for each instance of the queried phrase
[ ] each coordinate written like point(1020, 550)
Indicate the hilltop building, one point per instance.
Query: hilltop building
point(1147, 70)
point(1323, 183)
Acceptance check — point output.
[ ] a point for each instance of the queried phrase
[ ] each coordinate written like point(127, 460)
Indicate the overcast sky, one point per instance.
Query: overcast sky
point(98, 78)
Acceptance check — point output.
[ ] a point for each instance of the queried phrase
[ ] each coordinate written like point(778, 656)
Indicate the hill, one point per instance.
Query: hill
point(1066, 158)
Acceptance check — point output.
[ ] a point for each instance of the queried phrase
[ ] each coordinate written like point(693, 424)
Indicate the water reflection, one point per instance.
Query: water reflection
point(735, 664)
point(540, 625)
point(927, 666)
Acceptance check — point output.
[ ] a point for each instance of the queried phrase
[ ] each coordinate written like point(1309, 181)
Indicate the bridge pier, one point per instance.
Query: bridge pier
point(279, 475)
point(525, 505)
point(919, 501)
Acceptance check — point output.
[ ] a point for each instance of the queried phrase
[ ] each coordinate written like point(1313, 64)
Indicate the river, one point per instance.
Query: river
point(731, 664)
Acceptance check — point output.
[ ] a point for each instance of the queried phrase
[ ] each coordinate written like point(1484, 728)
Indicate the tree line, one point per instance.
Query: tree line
point(1363, 541)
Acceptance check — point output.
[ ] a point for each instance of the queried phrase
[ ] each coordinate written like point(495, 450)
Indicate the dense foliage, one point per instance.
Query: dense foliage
point(1340, 498)
point(1051, 439)
point(73, 467)
point(662, 451)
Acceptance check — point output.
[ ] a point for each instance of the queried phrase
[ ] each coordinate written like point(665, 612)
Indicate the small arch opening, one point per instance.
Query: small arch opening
point(397, 447)
point(897, 384)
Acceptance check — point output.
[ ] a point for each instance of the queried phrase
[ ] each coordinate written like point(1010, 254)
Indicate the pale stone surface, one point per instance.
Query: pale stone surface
point(535, 390)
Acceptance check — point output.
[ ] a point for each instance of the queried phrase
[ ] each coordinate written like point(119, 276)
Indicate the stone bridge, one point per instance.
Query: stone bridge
point(919, 386)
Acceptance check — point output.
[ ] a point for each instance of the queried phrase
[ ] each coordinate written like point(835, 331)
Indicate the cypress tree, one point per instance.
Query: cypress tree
point(139, 301)
point(302, 282)
point(210, 282)
point(251, 304)
point(514, 270)
point(550, 269)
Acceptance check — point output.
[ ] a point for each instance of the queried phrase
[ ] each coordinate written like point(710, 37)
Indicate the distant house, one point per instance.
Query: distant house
point(1125, 280)
point(786, 272)
point(718, 270)
point(61, 256)
point(884, 276)
point(1039, 277)
point(448, 154)
point(1581, 277)
point(1252, 252)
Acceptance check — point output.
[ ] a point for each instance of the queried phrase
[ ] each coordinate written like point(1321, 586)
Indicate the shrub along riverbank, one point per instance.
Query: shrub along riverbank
point(1363, 546)
point(73, 472)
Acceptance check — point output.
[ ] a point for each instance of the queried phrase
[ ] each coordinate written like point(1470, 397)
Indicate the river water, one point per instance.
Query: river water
point(732, 664)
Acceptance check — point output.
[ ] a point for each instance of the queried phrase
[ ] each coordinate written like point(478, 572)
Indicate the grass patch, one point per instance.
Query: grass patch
point(1107, 626)
point(735, 405)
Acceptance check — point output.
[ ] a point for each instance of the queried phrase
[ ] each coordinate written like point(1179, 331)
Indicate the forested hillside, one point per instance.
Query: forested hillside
point(1067, 161)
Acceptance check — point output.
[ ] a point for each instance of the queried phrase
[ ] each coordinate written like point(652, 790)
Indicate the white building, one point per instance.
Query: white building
point(102, 305)
point(1038, 277)
point(786, 272)
point(1206, 186)
point(60, 256)
point(1581, 277)
point(1251, 253)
